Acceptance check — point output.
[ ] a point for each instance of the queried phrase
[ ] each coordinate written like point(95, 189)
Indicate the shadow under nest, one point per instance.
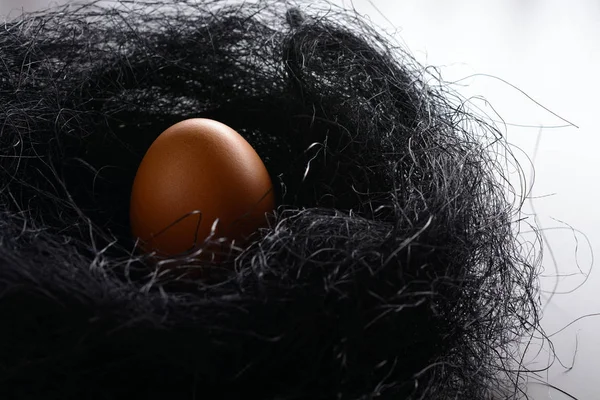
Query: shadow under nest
point(392, 269)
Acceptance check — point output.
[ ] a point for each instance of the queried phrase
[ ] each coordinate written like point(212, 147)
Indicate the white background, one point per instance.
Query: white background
point(549, 49)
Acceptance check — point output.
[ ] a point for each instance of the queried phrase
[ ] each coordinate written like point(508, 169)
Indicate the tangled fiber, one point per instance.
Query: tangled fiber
point(392, 268)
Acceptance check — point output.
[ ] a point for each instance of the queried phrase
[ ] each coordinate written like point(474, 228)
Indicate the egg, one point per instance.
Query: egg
point(198, 172)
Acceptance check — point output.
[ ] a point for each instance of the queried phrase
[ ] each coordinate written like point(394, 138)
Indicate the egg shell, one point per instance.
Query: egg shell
point(196, 171)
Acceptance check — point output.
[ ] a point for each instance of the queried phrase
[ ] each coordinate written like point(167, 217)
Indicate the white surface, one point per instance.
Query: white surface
point(550, 49)
point(15, 7)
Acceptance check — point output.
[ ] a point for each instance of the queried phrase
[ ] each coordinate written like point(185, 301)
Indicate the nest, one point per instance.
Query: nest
point(392, 268)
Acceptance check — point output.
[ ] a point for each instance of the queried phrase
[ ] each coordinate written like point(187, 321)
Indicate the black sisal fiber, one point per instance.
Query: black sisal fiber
point(392, 268)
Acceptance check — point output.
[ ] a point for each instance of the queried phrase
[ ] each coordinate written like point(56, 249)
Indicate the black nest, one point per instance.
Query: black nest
point(392, 270)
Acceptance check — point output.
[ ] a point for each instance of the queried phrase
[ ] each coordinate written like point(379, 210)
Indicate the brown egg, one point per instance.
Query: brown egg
point(196, 172)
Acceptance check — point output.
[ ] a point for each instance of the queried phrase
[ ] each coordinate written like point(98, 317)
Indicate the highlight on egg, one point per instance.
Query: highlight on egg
point(197, 175)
